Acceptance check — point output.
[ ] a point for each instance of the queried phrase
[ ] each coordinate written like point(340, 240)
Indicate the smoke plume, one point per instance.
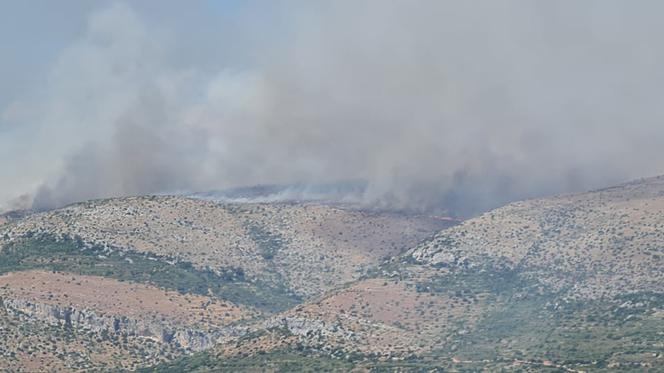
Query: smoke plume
point(437, 105)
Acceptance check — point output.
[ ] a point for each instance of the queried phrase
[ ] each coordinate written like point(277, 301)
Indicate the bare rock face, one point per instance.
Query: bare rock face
point(87, 320)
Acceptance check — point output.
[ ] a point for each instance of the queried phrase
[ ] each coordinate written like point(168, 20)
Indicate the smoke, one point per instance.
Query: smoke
point(437, 105)
point(349, 192)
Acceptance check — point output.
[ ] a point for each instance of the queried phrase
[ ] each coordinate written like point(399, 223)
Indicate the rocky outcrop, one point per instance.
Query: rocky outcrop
point(307, 327)
point(190, 339)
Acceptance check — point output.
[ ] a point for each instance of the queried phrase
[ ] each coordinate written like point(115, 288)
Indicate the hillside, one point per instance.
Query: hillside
point(310, 248)
point(571, 282)
point(592, 245)
point(56, 320)
point(170, 284)
point(156, 277)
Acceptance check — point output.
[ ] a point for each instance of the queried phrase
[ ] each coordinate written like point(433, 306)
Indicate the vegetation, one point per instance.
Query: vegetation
point(71, 255)
point(526, 321)
point(292, 360)
point(576, 334)
point(277, 361)
point(269, 243)
point(498, 281)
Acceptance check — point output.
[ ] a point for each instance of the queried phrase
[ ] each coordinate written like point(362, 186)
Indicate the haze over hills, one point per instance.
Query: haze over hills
point(330, 193)
point(572, 281)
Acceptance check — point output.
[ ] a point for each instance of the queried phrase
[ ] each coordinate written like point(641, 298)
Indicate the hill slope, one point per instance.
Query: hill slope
point(127, 272)
point(574, 282)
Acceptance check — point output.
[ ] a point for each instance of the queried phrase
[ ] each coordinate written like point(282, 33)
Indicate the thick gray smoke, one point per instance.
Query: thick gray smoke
point(438, 105)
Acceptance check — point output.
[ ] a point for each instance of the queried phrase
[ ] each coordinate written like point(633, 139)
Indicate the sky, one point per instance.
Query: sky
point(435, 105)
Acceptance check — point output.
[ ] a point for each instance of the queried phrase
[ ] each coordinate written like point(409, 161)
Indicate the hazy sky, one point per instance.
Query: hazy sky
point(436, 104)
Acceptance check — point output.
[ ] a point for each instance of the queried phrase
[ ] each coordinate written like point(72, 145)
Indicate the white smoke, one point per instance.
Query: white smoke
point(436, 104)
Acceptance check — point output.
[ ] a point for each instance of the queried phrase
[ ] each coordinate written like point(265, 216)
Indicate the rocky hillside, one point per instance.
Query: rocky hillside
point(157, 277)
point(309, 248)
point(592, 245)
point(169, 284)
point(141, 322)
point(574, 283)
